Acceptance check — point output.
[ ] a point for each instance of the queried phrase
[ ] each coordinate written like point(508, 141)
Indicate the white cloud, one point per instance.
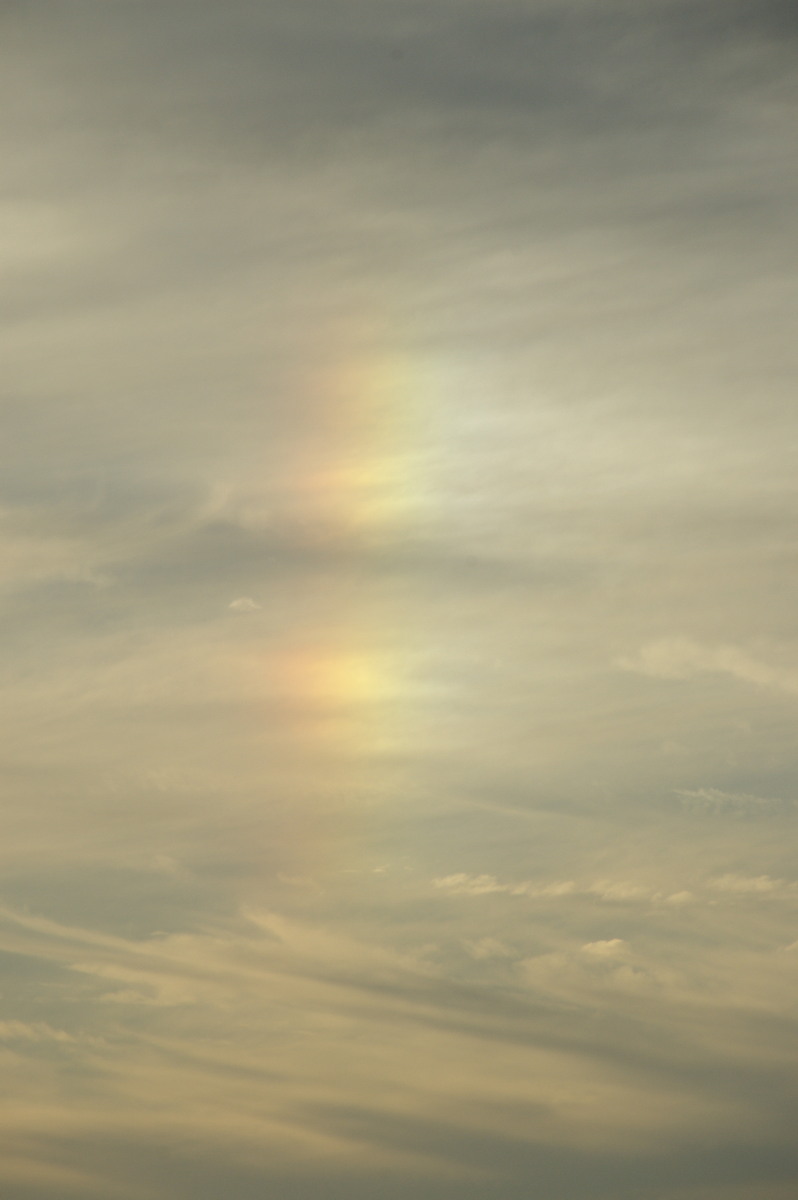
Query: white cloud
point(683, 658)
point(482, 885)
point(620, 891)
point(471, 885)
point(679, 898)
point(38, 1031)
point(610, 948)
point(244, 604)
point(566, 887)
point(750, 885)
point(487, 948)
point(715, 801)
point(607, 966)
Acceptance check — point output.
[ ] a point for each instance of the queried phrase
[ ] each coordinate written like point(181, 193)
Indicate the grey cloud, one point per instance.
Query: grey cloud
point(205, 969)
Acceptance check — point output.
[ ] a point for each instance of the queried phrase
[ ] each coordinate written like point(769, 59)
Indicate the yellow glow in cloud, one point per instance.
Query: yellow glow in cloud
point(339, 678)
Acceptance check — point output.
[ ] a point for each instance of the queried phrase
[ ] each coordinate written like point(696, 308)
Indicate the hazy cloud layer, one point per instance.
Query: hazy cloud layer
point(397, 568)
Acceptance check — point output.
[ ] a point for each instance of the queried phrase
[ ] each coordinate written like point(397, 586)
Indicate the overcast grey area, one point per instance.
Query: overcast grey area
point(398, 582)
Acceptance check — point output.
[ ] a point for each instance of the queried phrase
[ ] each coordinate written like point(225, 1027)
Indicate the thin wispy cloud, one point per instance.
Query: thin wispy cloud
point(397, 570)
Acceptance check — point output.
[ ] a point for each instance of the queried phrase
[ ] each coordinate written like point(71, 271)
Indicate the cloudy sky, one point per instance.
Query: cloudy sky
point(398, 517)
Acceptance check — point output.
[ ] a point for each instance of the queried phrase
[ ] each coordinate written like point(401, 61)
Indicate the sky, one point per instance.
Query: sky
point(398, 524)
